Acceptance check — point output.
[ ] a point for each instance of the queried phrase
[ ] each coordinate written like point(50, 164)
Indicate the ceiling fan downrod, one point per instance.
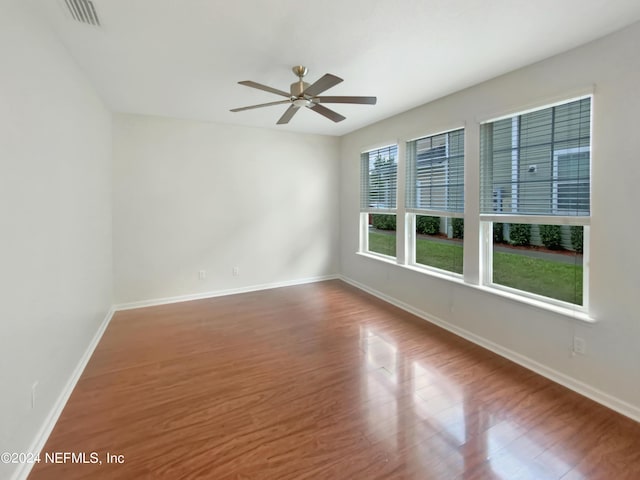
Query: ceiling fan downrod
point(298, 88)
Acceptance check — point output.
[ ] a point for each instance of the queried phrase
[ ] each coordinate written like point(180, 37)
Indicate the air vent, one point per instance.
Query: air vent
point(83, 11)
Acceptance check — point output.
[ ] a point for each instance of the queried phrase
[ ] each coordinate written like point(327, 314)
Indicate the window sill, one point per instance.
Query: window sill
point(380, 257)
point(559, 309)
point(569, 312)
point(433, 272)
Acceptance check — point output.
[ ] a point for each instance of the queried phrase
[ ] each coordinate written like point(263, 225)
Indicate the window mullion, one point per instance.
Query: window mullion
point(401, 237)
point(410, 235)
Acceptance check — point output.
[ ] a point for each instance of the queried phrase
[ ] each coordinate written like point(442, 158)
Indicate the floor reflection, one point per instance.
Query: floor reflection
point(416, 410)
point(380, 353)
point(438, 401)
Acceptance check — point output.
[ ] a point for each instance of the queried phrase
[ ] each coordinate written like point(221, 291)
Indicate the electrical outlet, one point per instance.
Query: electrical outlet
point(202, 274)
point(236, 271)
point(579, 345)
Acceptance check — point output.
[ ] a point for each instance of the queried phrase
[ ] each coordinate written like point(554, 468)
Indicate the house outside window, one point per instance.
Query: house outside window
point(571, 185)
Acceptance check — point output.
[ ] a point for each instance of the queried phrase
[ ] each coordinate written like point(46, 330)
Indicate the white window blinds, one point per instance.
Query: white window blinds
point(538, 163)
point(435, 173)
point(379, 179)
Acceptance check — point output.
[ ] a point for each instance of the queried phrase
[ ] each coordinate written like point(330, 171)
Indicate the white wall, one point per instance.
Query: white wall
point(55, 228)
point(191, 196)
point(612, 364)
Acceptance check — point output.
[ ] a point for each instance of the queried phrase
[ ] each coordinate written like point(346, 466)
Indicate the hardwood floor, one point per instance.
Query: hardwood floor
point(322, 381)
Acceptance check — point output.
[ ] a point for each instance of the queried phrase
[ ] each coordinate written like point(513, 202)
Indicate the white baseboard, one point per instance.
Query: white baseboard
point(54, 414)
point(219, 293)
point(571, 383)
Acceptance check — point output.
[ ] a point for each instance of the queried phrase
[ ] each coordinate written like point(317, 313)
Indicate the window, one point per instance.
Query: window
point(378, 200)
point(435, 201)
point(535, 201)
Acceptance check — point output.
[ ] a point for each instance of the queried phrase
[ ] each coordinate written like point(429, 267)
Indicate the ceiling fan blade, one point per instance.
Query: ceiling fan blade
point(330, 114)
point(288, 115)
point(360, 100)
point(279, 102)
point(324, 83)
point(259, 86)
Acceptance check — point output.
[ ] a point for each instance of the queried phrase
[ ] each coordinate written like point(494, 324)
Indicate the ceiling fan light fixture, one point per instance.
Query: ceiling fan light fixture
point(302, 102)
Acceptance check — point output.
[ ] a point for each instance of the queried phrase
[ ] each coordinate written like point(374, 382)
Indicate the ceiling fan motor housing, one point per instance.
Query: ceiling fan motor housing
point(298, 87)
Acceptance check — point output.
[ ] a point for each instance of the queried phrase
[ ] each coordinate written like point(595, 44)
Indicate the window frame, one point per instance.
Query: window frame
point(365, 212)
point(411, 212)
point(478, 238)
point(486, 256)
point(584, 220)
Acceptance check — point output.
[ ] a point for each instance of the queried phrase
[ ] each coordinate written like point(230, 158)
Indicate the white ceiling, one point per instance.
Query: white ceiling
point(182, 58)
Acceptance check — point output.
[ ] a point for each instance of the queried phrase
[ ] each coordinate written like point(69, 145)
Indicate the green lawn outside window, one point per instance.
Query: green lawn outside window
point(562, 281)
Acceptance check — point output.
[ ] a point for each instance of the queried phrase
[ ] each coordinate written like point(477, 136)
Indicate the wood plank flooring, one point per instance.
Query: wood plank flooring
point(322, 381)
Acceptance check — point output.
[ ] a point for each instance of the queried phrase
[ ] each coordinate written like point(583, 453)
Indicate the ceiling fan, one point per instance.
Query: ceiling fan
point(304, 95)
